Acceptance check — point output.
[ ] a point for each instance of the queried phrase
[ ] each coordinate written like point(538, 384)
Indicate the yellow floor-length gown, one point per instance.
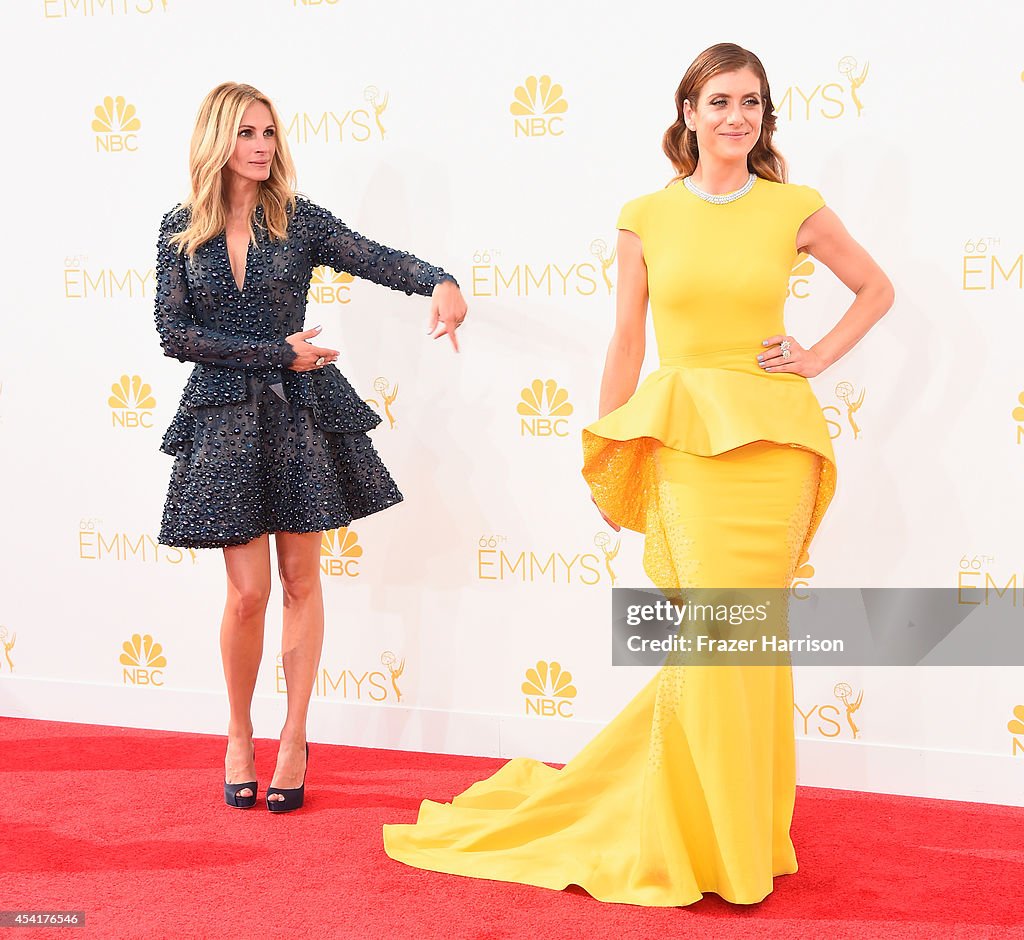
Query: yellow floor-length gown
point(727, 470)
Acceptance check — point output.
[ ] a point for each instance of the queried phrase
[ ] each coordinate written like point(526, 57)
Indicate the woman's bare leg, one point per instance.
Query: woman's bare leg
point(241, 648)
point(302, 639)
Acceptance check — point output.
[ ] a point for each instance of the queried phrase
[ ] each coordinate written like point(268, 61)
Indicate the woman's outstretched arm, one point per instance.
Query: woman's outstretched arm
point(341, 248)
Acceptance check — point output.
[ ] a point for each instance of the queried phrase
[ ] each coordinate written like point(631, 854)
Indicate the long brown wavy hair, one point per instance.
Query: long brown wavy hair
point(680, 143)
point(213, 142)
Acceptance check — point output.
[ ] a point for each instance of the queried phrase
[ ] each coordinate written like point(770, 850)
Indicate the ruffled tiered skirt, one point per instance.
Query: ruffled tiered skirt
point(270, 452)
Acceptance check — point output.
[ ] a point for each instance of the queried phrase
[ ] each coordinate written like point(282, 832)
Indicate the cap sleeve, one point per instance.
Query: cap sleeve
point(808, 202)
point(630, 217)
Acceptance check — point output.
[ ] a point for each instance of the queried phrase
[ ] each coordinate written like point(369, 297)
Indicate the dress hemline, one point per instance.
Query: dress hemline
point(341, 523)
point(560, 884)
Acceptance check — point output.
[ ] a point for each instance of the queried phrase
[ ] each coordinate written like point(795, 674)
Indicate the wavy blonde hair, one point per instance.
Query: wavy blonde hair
point(680, 143)
point(213, 142)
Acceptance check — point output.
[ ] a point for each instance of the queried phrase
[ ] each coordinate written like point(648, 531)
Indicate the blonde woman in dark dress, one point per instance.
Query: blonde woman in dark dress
point(269, 436)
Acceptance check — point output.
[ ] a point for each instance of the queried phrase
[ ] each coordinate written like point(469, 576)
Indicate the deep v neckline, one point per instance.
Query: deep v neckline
point(231, 269)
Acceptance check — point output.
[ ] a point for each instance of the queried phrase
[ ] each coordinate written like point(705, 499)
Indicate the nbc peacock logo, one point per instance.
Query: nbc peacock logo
point(1018, 417)
point(549, 690)
point(800, 277)
point(327, 286)
point(340, 553)
point(143, 661)
point(131, 403)
point(115, 125)
point(1016, 728)
point(544, 409)
point(538, 107)
point(383, 402)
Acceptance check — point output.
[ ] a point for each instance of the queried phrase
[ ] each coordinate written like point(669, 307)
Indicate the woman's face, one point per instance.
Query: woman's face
point(728, 115)
point(255, 145)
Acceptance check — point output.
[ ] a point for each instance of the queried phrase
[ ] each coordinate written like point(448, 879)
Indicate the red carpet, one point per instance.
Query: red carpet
point(130, 826)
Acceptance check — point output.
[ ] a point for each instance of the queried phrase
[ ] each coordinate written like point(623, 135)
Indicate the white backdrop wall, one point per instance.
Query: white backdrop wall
point(400, 119)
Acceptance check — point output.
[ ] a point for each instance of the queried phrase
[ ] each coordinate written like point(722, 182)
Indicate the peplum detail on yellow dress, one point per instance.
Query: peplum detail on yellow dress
point(727, 470)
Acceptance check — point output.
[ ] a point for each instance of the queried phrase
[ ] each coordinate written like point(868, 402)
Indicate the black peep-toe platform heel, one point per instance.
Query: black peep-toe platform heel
point(293, 797)
point(232, 798)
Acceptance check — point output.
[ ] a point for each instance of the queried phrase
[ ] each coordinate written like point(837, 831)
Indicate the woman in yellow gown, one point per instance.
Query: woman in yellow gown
point(722, 459)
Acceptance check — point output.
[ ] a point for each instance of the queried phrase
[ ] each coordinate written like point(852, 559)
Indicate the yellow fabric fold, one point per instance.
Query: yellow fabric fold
point(704, 405)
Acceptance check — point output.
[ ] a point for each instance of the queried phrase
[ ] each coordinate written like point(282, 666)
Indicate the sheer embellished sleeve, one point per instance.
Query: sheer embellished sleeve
point(183, 337)
point(338, 247)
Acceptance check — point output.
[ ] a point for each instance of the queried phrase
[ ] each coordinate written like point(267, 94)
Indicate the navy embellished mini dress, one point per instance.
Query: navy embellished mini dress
point(258, 447)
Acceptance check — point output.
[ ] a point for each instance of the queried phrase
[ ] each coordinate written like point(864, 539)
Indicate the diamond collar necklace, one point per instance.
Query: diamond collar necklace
point(719, 198)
